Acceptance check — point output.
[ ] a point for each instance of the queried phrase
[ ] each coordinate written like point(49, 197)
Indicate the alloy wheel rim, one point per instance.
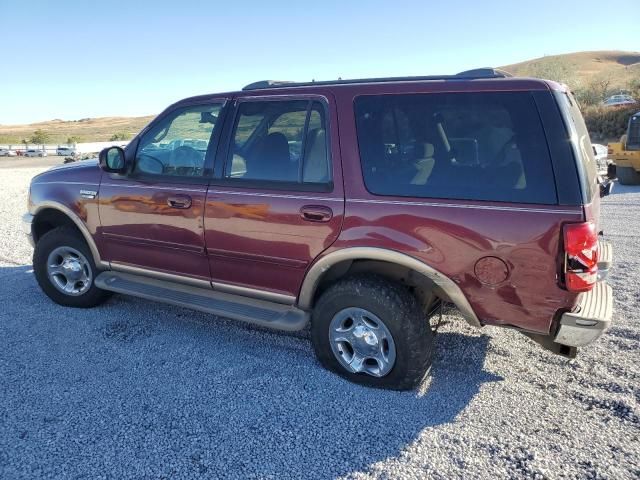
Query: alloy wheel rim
point(69, 271)
point(361, 342)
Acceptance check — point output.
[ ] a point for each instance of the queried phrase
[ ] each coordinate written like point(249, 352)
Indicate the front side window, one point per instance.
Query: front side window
point(471, 146)
point(177, 144)
point(279, 141)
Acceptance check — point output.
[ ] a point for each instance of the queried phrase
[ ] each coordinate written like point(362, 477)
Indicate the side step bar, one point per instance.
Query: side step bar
point(257, 312)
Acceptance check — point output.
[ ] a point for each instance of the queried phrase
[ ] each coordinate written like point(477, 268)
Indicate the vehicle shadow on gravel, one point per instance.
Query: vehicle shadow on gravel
point(135, 388)
point(619, 189)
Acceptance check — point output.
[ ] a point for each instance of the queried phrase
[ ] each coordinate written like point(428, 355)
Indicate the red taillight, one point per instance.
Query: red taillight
point(581, 262)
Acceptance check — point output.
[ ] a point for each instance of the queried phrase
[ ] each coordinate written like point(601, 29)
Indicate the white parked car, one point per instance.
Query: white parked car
point(619, 101)
point(65, 151)
point(5, 152)
point(35, 153)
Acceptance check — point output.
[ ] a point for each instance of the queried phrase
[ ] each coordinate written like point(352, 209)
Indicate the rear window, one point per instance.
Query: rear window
point(471, 146)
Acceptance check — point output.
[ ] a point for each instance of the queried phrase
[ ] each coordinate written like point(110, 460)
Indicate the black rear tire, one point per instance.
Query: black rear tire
point(628, 176)
point(66, 237)
point(400, 312)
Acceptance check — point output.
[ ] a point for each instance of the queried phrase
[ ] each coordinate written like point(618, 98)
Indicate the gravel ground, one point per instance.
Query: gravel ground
point(135, 389)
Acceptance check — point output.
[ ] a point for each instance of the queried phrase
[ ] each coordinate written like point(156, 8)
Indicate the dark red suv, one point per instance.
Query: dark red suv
point(357, 207)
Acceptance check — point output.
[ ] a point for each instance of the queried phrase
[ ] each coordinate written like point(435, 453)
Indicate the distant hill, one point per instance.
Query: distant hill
point(87, 129)
point(579, 70)
point(583, 68)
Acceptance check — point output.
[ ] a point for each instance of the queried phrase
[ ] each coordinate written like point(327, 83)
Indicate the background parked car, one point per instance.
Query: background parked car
point(5, 152)
point(64, 151)
point(35, 153)
point(619, 100)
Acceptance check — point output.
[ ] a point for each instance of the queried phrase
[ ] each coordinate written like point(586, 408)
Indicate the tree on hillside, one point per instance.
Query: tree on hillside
point(72, 140)
point(634, 88)
point(39, 137)
point(595, 92)
point(552, 69)
point(120, 136)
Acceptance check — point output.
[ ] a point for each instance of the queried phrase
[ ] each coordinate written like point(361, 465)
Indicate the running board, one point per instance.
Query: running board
point(257, 312)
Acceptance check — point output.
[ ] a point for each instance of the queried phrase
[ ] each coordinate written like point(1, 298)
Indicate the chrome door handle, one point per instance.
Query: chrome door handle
point(316, 213)
point(179, 201)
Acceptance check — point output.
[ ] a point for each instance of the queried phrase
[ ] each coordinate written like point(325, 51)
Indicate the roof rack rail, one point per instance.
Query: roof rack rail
point(466, 75)
point(485, 72)
point(268, 84)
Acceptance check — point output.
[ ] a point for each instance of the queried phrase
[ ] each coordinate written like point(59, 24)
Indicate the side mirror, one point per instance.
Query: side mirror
point(112, 160)
point(208, 117)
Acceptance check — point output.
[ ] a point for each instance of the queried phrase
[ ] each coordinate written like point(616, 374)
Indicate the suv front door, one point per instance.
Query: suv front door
point(277, 200)
point(152, 218)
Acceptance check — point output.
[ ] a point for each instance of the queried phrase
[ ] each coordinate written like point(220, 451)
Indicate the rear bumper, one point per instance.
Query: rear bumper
point(591, 316)
point(605, 259)
point(27, 220)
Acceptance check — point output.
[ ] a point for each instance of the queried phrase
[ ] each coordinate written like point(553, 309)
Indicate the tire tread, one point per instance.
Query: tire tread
point(405, 319)
point(70, 237)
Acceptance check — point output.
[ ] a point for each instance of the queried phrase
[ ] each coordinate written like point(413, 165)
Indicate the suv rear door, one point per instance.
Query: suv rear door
point(277, 200)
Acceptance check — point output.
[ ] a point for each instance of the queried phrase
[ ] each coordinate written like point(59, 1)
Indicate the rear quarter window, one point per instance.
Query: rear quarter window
point(471, 146)
point(587, 167)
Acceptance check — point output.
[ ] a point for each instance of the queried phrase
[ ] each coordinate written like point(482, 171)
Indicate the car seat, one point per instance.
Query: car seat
point(315, 162)
point(270, 160)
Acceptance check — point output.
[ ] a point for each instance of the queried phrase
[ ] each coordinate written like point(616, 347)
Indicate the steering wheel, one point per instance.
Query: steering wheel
point(153, 164)
point(185, 157)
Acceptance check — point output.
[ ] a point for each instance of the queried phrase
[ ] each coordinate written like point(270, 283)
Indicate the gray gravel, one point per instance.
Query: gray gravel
point(135, 389)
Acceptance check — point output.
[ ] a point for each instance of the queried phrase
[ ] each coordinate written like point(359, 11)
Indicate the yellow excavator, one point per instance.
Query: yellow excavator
point(626, 154)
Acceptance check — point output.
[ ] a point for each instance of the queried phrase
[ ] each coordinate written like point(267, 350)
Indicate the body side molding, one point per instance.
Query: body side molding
point(158, 275)
point(313, 276)
point(196, 282)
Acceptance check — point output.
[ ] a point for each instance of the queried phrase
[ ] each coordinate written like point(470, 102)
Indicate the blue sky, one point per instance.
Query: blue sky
point(74, 59)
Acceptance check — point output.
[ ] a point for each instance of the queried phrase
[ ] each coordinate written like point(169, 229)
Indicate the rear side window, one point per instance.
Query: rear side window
point(280, 141)
point(471, 146)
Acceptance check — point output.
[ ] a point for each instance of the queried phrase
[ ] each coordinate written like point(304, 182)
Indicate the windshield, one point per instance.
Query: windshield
point(633, 133)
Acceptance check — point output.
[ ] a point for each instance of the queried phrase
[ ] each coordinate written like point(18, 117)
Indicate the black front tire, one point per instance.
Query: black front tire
point(628, 176)
point(66, 237)
point(401, 313)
